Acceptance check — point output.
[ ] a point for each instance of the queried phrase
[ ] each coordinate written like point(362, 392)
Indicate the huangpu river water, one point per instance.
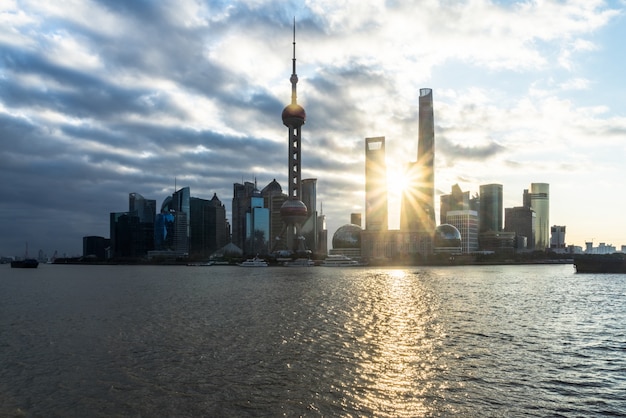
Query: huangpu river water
point(178, 341)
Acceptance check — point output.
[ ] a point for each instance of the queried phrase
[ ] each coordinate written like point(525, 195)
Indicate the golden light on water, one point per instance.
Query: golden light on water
point(401, 339)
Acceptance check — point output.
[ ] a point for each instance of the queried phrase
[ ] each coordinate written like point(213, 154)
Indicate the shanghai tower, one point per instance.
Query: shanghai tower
point(417, 212)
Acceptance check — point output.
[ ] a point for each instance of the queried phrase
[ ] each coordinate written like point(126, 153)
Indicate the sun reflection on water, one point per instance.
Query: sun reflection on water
point(397, 339)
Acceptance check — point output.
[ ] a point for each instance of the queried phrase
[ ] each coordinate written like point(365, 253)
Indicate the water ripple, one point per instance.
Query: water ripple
point(173, 341)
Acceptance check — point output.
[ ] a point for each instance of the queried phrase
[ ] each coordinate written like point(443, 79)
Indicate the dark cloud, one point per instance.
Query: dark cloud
point(95, 107)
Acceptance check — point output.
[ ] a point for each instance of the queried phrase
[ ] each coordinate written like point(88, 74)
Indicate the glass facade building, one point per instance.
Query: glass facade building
point(466, 222)
point(309, 228)
point(417, 211)
point(240, 207)
point(145, 211)
point(257, 226)
point(209, 229)
point(521, 220)
point(375, 185)
point(539, 197)
point(490, 213)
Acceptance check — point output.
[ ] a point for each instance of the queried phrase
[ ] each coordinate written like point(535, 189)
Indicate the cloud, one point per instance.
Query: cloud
point(454, 151)
point(99, 99)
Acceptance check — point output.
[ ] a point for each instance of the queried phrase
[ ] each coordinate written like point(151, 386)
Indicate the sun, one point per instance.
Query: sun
point(397, 181)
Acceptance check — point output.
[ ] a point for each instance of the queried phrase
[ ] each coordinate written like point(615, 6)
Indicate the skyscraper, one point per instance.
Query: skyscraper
point(257, 225)
point(418, 199)
point(521, 220)
point(273, 199)
point(309, 226)
point(457, 210)
point(490, 213)
point(240, 206)
point(540, 202)
point(294, 212)
point(143, 236)
point(557, 241)
point(181, 209)
point(375, 185)
point(456, 200)
point(209, 229)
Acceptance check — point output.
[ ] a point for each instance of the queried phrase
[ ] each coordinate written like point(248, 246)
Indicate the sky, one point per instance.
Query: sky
point(99, 99)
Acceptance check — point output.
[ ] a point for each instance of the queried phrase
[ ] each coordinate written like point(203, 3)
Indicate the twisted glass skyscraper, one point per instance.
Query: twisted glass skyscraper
point(418, 199)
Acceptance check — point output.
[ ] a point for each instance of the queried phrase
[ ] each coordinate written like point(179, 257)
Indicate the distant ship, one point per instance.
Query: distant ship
point(254, 262)
point(600, 263)
point(27, 263)
point(338, 260)
point(300, 262)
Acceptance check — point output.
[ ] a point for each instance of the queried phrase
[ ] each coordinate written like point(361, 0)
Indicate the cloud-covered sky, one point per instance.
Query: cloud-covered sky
point(99, 99)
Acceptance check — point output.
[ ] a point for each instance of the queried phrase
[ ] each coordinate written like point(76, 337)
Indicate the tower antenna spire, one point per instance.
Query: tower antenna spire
point(294, 76)
point(294, 211)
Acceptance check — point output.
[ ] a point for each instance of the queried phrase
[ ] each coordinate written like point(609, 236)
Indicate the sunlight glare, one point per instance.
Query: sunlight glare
point(396, 180)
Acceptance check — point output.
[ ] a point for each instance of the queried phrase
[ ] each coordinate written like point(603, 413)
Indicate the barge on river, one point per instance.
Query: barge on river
point(600, 263)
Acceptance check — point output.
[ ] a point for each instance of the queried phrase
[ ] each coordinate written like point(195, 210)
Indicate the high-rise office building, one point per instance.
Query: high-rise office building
point(375, 185)
point(521, 220)
point(142, 237)
point(557, 239)
point(273, 199)
point(310, 229)
point(490, 213)
point(539, 198)
point(164, 231)
point(293, 211)
point(209, 229)
point(417, 211)
point(180, 206)
point(132, 232)
point(456, 200)
point(122, 225)
point(466, 222)
point(240, 206)
point(460, 211)
point(257, 226)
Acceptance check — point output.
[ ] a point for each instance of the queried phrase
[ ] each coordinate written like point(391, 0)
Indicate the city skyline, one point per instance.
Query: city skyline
point(194, 91)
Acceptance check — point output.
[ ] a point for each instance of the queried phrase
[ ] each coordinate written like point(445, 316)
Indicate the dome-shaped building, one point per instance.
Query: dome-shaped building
point(347, 241)
point(347, 236)
point(446, 239)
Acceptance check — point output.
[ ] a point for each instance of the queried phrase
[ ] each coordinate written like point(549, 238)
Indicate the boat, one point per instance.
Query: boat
point(340, 261)
point(300, 262)
point(254, 262)
point(207, 264)
point(600, 263)
point(27, 263)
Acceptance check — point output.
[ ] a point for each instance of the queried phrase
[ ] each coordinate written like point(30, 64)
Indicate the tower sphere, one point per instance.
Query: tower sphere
point(293, 115)
point(293, 211)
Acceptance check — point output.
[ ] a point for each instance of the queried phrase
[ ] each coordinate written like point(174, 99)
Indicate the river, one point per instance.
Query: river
point(179, 341)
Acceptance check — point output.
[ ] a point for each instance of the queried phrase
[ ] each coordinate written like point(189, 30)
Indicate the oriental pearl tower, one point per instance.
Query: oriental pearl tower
point(294, 211)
